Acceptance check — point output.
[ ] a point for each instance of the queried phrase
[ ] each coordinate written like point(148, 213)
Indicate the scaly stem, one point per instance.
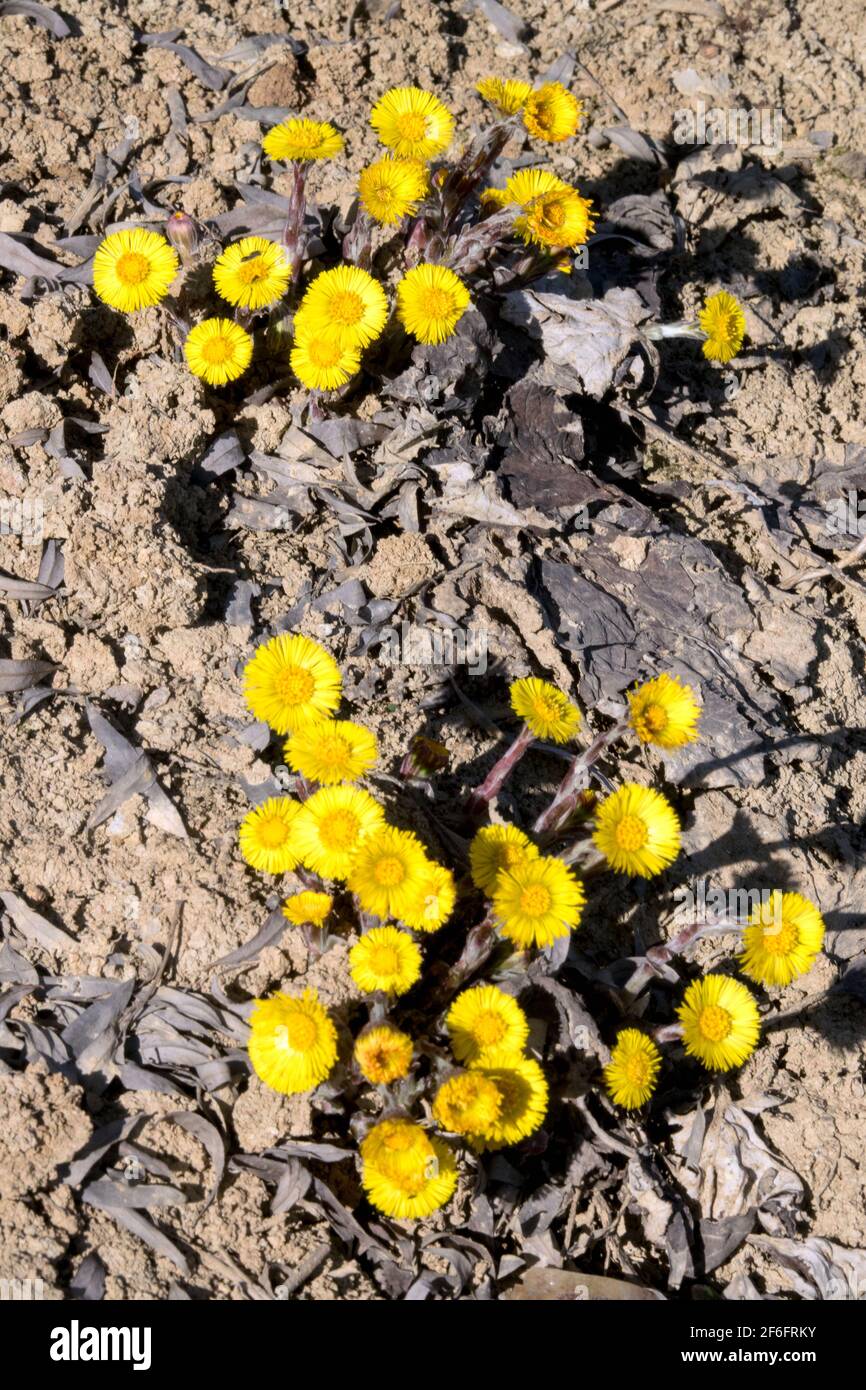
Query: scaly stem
point(294, 233)
point(574, 781)
point(492, 784)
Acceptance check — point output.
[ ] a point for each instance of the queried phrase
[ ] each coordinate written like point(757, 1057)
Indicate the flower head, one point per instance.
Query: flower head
point(293, 1042)
point(383, 1054)
point(133, 269)
point(252, 272)
point(547, 712)
point(720, 1022)
point(551, 113)
point(482, 1018)
point(494, 848)
point(302, 140)
point(630, 1075)
point(218, 350)
point(537, 902)
point(388, 871)
point(331, 825)
point(468, 1103)
point(414, 124)
point(508, 95)
point(345, 302)
point(523, 1089)
point(432, 900)
point(637, 831)
point(385, 959)
point(391, 189)
point(308, 908)
point(405, 1173)
point(267, 835)
point(321, 363)
point(724, 323)
point(331, 750)
point(431, 300)
point(291, 682)
point(783, 936)
point(664, 712)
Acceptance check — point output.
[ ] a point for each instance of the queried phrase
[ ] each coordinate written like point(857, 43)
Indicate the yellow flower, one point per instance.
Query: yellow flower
point(218, 350)
point(637, 831)
point(537, 902)
point(554, 214)
point(302, 140)
point(345, 302)
point(320, 363)
point(291, 682)
point(414, 124)
point(133, 269)
point(388, 871)
point(392, 188)
point(385, 959)
point(431, 300)
point(432, 900)
point(293, 1042)
point(523, 1089)
point(485, 1017)
point(664, 712)
point(507, 95)
point(630, 1075)
point(409, 1182)
point(547, 712)
point(383, 1054)
point(782, 939)
point(267, 835)
point(524, 187)
point(331, 825)
point(252, 272)
point(467, 1104)
point(494, 848)
point(724, 323)
point(396, 1146)
point(552, 113)
point(331, 750)
point(720, 1022)
point(307, 908)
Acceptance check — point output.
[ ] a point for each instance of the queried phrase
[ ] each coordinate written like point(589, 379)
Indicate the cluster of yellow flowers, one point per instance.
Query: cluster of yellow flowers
point(496, 1094)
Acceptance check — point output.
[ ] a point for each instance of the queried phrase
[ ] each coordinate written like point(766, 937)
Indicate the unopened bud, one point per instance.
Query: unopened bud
point(183, 234)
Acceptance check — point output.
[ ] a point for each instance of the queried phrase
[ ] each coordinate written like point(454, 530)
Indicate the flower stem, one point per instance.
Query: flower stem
point(575, 779)
point(294, 233)
point(478, 800)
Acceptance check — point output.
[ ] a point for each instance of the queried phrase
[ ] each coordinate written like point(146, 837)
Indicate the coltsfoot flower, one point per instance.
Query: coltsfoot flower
point(291, 682)
point(405, 1173)
point(431, 300)
point(383, 1054)
point(308, 908)
point(431, 902)
point(134, 269)
point(267, 835)
point(665, 712)
point(218, 351)
point(413, 123)
point(508, 94)
point(332, 750)
point(523, 1089)
point(544, 709)
point(345, 302)
point(469, 1103)
point(302, 140)
point(321, 362)
point(252, 272)
point(388, 872)
point(293, 1042)
point(783, 936)
point(551, 113)
point(385, 959)
point(494, 848)
point(723, 321)
point(630, 1075)
point(391, 189)
point(553, 214)
point(637, 831)
point(482, 1018)
point(331, 826)
point(720, 1022)
point(537, 902)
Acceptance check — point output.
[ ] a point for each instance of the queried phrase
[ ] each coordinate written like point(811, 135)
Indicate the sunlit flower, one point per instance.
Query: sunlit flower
point(508, 95)
point(485, 1017)
point(783, 936)
point(293, 1042)
point(385, 959)
point(290, 682)
point(218, 350)
point(383, 1054)
point(723, 321)
point(432, 900)
point(431, 300)
point(411, 1181)
point(388, 871)
point(664, 712)
point(396, 1146)
point(553, 214)
point(547, 712)
point(331, 750)
point(637, 831)
point(303, 140)
point(346, 302)
point(494, 848)
point(414, 124)
point(537, 901)
point(321, 363)
point(133, 269)
point(252, 272)
point(331, 825)
point(469, 1103)
point(267, 835)
point(552, 113)
point(392, 188)
point(720, 1022)
point(523, 1088)
point(630, 1075)
point(307, 908)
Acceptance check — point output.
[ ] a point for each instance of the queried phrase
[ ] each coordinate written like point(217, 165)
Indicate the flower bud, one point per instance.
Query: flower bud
point(183, 234)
